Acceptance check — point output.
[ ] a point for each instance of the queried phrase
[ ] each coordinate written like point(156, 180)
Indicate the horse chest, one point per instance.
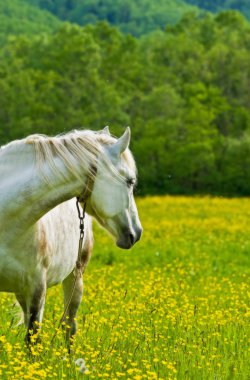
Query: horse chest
point(61, 262)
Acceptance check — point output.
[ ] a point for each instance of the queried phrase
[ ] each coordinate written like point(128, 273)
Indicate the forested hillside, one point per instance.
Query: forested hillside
point(135, 17)
point(17, 17)
point(219, 5)
point(184, 92)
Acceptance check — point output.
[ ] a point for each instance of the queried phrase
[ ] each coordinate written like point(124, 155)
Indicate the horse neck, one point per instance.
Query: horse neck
point(25, 195)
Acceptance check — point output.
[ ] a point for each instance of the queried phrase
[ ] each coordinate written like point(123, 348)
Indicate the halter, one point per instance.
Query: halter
point(83, 199)
point(88, 187)
point(81, 215)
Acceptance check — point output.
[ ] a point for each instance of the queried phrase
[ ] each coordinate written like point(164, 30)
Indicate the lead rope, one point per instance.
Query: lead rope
point(78, 268)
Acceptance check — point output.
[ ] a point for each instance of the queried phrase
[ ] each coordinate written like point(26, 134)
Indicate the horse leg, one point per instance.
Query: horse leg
point(36, 308)
point(22, 302)
point(72, 300)
point(73, 288)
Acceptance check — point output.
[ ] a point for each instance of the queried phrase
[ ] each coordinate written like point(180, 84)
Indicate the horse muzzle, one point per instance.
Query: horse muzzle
point(129, 238)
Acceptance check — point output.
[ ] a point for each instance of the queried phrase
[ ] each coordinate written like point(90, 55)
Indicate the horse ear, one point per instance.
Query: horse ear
point(121, 144)
point(124, 140)
point(105, 131)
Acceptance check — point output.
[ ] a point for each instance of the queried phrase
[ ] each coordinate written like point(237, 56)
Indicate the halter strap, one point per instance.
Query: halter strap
point(81, 215)
point(89, 185)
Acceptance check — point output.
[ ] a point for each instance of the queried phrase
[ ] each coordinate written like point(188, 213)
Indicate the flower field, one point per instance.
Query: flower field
point(174, 307)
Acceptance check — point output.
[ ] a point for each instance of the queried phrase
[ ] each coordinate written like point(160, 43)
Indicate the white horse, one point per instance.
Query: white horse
point(39, 230)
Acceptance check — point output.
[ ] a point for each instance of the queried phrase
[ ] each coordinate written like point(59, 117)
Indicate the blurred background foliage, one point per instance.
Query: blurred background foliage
point(177, 74)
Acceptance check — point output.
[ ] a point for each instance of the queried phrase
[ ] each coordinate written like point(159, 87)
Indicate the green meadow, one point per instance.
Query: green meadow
point(174, 307)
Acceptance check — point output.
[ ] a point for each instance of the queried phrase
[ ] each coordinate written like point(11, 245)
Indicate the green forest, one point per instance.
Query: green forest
point(18, 17)
point(219, 5)
point(182, 83)
point(134, 17)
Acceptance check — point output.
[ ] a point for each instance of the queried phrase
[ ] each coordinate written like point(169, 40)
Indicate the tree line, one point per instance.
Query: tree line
point(184, 91)
point(134, 17)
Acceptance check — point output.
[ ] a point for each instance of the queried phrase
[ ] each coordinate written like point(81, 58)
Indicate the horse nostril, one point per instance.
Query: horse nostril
point(132, 238)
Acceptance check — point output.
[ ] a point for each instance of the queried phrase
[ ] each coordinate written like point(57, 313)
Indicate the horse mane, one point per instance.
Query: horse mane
point(78, 150)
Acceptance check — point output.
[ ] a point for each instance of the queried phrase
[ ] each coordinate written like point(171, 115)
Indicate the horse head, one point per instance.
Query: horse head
point(111, 201)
